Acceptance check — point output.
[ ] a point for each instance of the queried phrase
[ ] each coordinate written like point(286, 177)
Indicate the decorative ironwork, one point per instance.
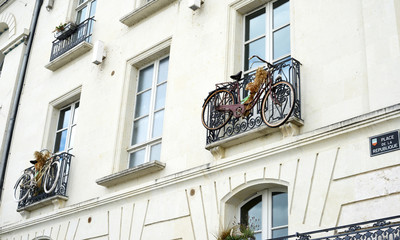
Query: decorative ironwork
point(61, 186)
point(83, 32)
point(286, 70)
point(379, 229)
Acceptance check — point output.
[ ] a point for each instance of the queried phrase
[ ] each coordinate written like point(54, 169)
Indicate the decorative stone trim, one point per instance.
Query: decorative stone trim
point(144, 11)
point(131, 173)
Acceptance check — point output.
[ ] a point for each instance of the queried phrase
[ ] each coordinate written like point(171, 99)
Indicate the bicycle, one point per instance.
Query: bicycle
point(225, 102)
point(33, 180)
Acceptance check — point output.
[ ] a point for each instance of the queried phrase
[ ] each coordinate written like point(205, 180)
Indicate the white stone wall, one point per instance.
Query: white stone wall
point(349, 52)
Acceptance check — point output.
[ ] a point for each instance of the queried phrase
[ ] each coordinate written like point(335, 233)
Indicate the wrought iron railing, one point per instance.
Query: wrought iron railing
point(289, 71)
point(378, 229)
point(83, 32)
point(61, 185)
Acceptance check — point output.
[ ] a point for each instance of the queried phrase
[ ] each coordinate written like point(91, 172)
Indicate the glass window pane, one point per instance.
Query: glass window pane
point(158, 124)
point(81, 15)
point(155, 152)
point(251, 214)
point(281, 13)
point(63, 121)
point(145, 78)
point(142, 104)
point(163, 70)
point(140, 130)
point(136, 158)
point(282, 42)
point(72, 137)
point(258, 236)
point(160, 97)
point(254, 48)
point(93, 9)
point(76, 113)
point(255, 24)
point(279, 232)
point(279, 209)
point(61, 138)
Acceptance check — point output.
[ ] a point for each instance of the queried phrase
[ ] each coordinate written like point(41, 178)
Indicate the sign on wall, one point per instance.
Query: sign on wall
point(384, 143)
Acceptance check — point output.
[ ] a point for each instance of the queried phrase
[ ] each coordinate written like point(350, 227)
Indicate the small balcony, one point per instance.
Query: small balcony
point(252, 126)
point(38, 198)
point(69, 47)
point(378, 229)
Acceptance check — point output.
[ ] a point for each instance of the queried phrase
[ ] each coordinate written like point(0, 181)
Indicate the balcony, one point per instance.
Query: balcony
point(242, 129)
point(39, 198)
point(378, 229)
point(68, 48)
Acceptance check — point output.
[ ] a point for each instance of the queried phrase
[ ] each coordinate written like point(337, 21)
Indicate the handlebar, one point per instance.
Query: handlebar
point(262, 60)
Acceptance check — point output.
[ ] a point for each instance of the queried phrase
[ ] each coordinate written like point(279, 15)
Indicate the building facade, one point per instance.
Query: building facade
point(117, 89)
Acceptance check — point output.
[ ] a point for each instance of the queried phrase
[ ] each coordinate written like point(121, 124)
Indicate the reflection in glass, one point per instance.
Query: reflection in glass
point(63, 121)
point(279, 209)
point(136, 158)
point(140, 130)
point(61, 138)
point(282, 42)
point(142, 104)
point(158, 124)
point(155, 152)
point(281, 13)
point(251, 214)
point(254, 48)
point(279, 232)
point(160, 96)
point(145, 78)
point(255, 24)
point(81, 15)
point(163, 70)
point(92, 8)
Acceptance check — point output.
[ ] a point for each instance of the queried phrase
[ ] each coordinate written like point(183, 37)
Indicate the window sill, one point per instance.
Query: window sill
point(142, 12)
point(70, 55)
point(131, 173)
point(57, 200)
point(290, 128)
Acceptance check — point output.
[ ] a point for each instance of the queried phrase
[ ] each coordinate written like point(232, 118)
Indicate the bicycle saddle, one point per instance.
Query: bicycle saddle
point(237, 76)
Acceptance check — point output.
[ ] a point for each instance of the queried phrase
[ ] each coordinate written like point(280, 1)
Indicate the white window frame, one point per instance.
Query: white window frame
point(149, 142)
point(266, 201)
point(269, 31)
point(69, 127)
point(85, 3)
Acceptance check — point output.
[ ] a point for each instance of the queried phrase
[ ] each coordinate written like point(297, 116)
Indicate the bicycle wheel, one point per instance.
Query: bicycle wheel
point(23, 186)
point(212, 118)
point(278, 104)
point(51, 177)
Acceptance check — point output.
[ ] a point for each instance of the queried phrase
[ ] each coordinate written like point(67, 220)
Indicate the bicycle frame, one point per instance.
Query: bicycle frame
point(240, 109)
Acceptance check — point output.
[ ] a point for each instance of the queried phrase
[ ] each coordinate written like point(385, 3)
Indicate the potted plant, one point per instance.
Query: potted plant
point(236, 232)
point(64, 30)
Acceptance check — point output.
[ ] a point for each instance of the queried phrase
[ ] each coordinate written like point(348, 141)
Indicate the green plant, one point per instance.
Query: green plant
point(236, 232)
point(60, 27)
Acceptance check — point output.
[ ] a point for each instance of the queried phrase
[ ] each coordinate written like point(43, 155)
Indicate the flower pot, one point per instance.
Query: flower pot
point(66, 32)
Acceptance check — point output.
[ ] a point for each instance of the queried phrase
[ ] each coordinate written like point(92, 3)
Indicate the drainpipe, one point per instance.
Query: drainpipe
point(17, 97)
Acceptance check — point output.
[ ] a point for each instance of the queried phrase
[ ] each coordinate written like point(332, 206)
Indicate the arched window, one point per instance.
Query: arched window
point(266, 213)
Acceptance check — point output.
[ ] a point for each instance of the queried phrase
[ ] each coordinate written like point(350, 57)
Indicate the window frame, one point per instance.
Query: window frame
point(269, 33)
point(71, 124)
point(266, 200)
point(149, 142)
point(80, 6)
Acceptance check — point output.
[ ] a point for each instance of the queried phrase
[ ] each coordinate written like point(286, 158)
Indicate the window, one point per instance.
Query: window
point(266, 214)
point(267, 33)
point(149, 113)
point(85, 10)
point(66, 128)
